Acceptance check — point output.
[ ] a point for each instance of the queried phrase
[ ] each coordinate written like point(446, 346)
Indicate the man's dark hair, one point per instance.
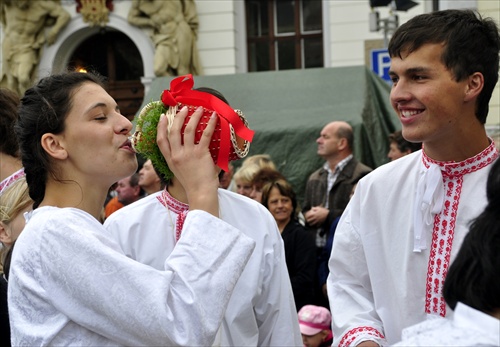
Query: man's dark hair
point(471, 44)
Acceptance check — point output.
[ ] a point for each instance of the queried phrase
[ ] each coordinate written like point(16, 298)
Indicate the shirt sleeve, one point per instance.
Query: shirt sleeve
point(97, 287)
point(354, 317)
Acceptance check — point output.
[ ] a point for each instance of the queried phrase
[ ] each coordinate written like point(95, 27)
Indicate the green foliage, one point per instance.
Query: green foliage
point(147, 146)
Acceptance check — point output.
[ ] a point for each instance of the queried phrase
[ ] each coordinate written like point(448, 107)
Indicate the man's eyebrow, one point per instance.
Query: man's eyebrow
point(412, 70)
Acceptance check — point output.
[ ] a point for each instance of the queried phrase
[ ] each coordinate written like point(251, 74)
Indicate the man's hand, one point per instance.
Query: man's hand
point(316, 215)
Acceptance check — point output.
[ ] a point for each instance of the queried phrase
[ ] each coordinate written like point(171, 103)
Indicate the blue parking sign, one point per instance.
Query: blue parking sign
point(380, 63)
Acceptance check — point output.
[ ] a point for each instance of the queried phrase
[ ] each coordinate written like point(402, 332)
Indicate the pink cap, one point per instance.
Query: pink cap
point(314, 319)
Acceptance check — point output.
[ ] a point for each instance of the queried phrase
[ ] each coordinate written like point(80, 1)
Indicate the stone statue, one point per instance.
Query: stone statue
point(174, 26)
point(24, 23)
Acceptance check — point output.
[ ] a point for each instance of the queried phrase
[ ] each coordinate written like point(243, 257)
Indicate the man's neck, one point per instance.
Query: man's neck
point(176, 190)
point(8, 165)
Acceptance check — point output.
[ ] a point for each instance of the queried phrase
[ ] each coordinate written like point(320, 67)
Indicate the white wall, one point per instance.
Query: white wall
point(492, 9)
point(217, 36)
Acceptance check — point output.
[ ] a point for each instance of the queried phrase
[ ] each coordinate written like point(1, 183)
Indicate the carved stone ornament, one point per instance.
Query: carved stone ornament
point(95, 12)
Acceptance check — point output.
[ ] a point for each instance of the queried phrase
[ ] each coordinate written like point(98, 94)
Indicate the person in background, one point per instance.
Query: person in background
point(149, 180)
point(127, 191)
point(399, 147)
point(407, 219)
point(226, 178)
point(69, 283)
point(328, 188)
point(14, 202)
point(11, 167)
point(261, 311)
point(472, 285)
point(300, 251)
point(261, 178)
point(314, 322)
point(249, 168)
point(261, 160)
point(323, 270)
point(243, 179)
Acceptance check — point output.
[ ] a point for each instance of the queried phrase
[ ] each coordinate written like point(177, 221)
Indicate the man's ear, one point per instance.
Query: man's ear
point(53, 146)
point(343, 143)
point(474, 86)
point(5, 236)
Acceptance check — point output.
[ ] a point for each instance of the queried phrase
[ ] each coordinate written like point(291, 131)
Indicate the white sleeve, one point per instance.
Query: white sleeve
point(354, 318)
point(278, 324)
point(134, 304)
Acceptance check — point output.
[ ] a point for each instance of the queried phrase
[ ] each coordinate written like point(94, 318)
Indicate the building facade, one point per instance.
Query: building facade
point(327, 33)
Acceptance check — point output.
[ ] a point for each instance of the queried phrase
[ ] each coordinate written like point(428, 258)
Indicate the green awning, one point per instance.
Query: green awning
point(288, 109)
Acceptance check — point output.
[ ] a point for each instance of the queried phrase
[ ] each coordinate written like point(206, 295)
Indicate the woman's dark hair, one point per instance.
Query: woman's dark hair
point(44, 108)
point(285, 189)
point(471, 44)
point(473, 277)
point(402, 143)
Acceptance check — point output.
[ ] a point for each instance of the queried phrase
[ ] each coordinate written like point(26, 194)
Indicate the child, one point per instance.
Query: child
point(314, 322)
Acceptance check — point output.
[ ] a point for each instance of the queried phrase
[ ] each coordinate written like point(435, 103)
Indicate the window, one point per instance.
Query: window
point(284, 34)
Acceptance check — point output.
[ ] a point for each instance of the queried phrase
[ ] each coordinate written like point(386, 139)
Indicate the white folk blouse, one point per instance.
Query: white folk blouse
point(71, 285)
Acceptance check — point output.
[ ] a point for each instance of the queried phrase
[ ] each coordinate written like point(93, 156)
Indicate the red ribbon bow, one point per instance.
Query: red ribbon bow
point(181, 92)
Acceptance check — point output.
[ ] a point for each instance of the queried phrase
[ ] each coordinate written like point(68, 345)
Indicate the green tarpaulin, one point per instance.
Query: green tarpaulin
point(288, 109)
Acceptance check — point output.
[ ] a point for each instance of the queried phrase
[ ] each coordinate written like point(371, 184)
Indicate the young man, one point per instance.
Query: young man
point(407, 219)
point(261, 311)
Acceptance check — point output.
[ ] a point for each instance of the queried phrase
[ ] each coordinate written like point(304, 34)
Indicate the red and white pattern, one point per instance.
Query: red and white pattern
point(444, 223)
point(179, 208)
point(350, 337)
point(11, 179)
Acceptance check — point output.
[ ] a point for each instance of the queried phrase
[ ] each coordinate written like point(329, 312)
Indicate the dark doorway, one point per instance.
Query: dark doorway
point(113, 55)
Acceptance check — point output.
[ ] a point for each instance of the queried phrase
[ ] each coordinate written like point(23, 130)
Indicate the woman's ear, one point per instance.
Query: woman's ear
point(5, 235)
point(53, 146)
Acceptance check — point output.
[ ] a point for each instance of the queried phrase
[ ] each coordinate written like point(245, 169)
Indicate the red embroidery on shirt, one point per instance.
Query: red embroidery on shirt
point(352, 334)
point(444, 223)
point(179, 208)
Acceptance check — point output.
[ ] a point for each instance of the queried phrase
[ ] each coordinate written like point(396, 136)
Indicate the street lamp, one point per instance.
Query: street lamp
point(391, 23)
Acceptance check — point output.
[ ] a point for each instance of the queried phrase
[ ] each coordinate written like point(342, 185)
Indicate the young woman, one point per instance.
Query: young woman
point(69, 283)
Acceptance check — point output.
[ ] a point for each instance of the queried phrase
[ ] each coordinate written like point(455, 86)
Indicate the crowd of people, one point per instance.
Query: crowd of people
point(204, 256)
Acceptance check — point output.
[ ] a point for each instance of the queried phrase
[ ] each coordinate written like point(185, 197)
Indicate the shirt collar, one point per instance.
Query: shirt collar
point(341, 164)
point(455, 169)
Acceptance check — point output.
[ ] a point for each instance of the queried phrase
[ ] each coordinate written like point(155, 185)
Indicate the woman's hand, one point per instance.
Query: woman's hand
point(192, 164)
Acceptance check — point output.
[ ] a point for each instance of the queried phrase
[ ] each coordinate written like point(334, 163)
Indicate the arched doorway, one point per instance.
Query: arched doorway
point(115, 56)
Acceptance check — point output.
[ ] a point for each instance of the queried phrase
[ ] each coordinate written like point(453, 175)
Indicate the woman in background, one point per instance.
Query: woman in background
point(300, 250)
